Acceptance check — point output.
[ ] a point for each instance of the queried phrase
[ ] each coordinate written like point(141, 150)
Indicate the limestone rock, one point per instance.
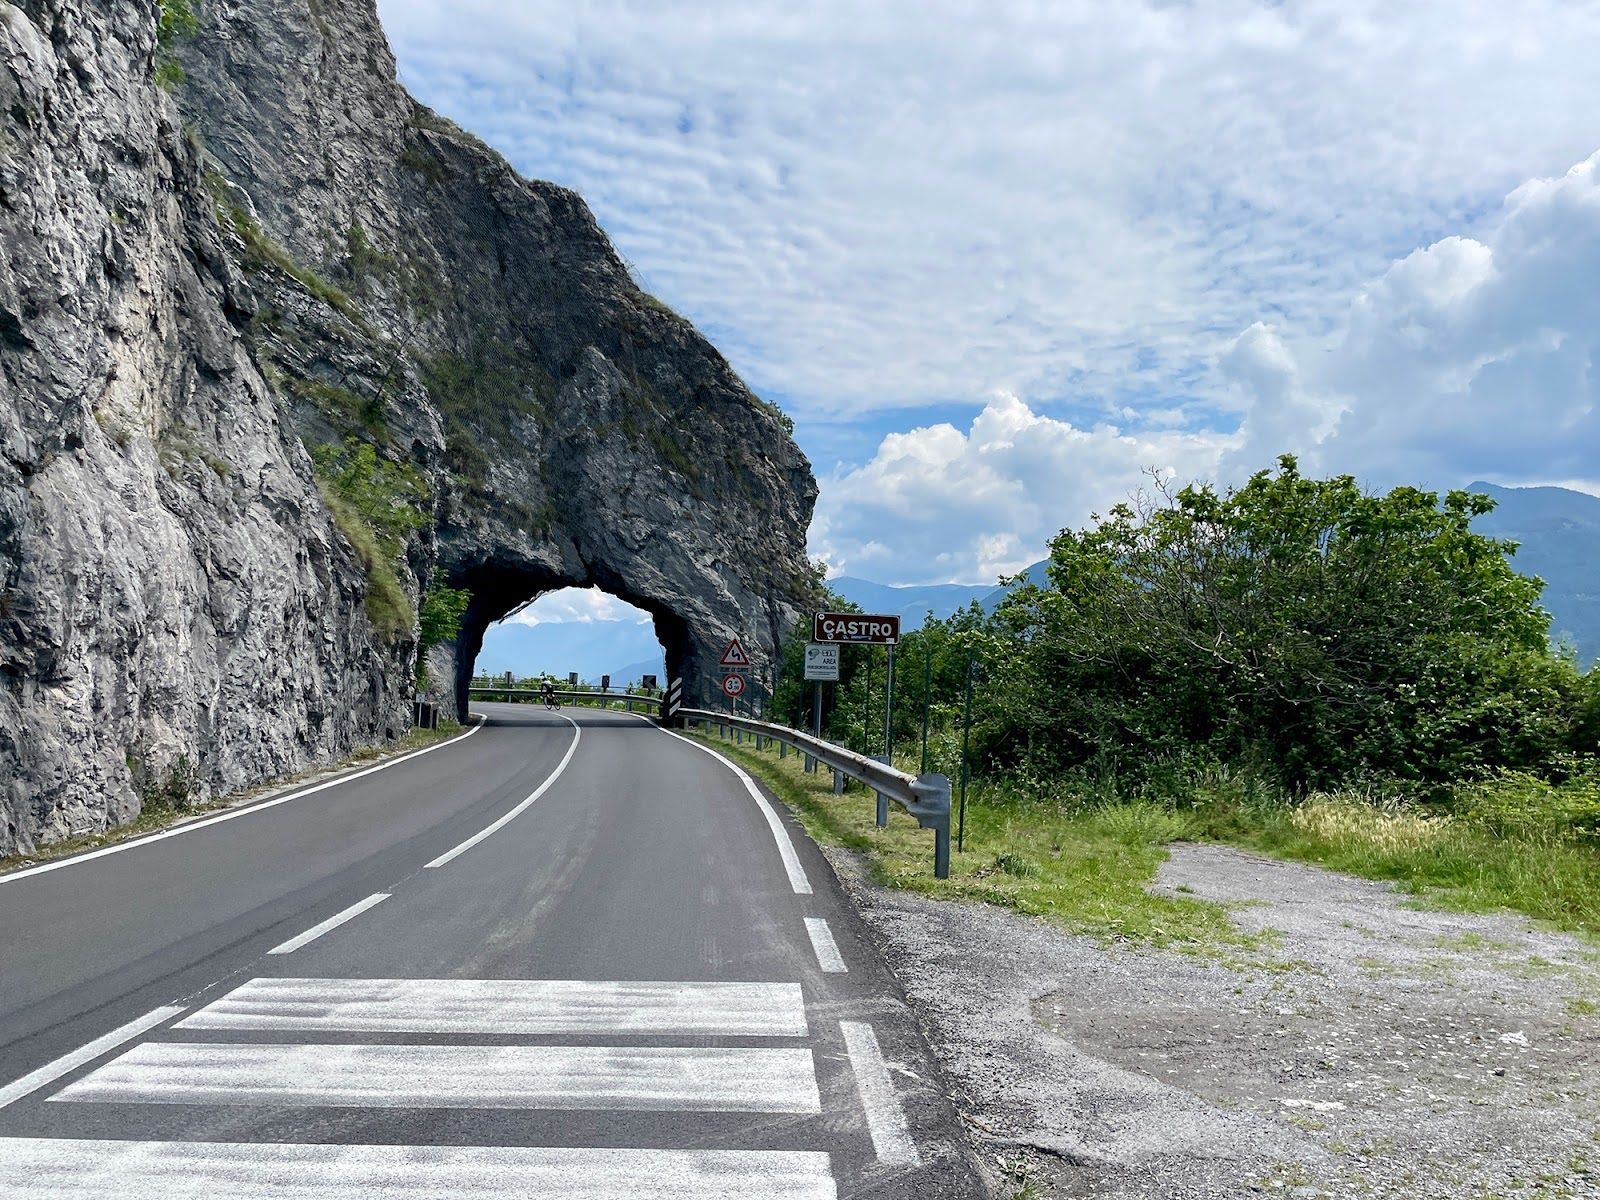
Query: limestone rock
point(281, 257)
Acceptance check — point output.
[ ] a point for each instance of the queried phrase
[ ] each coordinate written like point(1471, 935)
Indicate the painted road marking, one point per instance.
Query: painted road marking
point(53, 1071)
point(53, 1168)
point(233, 814)
point(577, 736)
point(828, 956)
point(509, 1007)
point(551, 1077)
point(786, 850)
point(886, 1120)
point(333, 922)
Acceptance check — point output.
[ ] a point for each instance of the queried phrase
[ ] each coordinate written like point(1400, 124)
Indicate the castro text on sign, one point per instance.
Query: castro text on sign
point(876, 630)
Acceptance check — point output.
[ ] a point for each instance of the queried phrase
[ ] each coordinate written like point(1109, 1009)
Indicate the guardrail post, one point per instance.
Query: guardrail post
point(933, 812)
point(883, 801)
point(783, 749)
point(838, 782)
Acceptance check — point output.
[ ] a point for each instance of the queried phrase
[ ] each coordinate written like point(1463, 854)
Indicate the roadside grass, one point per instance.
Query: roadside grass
point(1084, 858)
point(1085, 872)
point(154, 817)
point(1445, 861)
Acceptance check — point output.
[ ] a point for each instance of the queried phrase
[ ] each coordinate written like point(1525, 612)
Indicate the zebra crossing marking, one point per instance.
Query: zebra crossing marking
point(53, 1168)
point(407, 1076)
point(506, 1007)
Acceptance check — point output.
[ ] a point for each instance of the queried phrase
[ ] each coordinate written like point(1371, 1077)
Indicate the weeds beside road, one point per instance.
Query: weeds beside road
point(1085, 861)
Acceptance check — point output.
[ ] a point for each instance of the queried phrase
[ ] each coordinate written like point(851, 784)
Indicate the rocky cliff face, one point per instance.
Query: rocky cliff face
point(279, 347)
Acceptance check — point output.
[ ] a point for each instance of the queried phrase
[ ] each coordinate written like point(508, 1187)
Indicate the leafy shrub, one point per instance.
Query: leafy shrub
point(439, 617)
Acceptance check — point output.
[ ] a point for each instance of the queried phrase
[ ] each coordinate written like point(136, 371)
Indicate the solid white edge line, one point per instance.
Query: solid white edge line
point(53, 1071)
point(886, 1120)
point(827, 950)
point(577, 736)
point(244, 811)
point(786, 850)
point(333, 922)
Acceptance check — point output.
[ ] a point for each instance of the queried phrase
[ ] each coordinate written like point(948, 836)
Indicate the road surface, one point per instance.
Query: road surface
point(568, 955)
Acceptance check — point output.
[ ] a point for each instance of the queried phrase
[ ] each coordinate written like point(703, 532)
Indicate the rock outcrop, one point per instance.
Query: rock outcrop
point(279, 349)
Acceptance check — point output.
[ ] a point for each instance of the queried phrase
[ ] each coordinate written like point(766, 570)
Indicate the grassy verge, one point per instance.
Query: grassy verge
point(155, 817)
point(1445, 861)
point(1085, 862)
point(1085, 872)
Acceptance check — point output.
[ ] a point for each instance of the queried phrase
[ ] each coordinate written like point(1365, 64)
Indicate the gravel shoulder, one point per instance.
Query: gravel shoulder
point(1376, 1049)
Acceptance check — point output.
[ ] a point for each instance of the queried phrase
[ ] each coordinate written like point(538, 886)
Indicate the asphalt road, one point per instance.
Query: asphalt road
point(570, 955)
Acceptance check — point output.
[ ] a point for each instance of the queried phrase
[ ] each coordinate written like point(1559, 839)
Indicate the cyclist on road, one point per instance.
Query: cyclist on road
point(549, 691)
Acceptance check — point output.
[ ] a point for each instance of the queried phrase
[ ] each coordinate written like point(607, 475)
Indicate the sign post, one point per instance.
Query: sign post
point(865, 629)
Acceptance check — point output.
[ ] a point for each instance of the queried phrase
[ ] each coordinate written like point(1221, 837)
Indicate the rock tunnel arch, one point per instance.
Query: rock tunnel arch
point(692, 624)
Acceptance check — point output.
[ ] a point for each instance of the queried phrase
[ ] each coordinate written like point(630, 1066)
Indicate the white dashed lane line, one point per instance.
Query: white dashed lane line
point(827, 950)
point(886, 1120)
point(53, 1071)
point(333, 922)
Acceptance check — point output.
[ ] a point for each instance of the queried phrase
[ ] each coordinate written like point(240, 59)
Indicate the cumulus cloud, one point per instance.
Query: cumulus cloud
point(1472, 357)
point(938, 503)
point(1466, 359)
point(1150, 234)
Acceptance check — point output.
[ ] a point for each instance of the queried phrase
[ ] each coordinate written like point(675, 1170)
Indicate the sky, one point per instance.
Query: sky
point(1001, 260)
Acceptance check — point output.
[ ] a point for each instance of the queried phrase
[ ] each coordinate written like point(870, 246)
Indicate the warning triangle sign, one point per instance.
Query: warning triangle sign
point(734, 655)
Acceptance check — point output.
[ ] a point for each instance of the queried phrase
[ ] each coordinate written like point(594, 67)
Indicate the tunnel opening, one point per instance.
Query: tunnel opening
point(582, 635)
point(500, 592)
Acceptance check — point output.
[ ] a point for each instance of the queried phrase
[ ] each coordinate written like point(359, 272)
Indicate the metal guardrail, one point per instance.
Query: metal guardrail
point(534, 695)
point(925, 797)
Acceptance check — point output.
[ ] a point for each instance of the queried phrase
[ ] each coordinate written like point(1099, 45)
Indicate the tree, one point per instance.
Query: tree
point(1305, 624)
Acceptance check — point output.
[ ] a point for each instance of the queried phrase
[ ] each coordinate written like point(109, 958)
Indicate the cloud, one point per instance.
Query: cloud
point(938, 504)
point(582, 606)
point(1466, 359)
point(1470, 358)
point(896, 205)
point(1096, 236)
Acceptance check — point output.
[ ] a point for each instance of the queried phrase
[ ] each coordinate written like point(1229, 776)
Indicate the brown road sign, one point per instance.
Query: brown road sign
point(868, 628)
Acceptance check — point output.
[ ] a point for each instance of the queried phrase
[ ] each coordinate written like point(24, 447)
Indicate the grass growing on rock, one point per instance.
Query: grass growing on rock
point(1087, 872)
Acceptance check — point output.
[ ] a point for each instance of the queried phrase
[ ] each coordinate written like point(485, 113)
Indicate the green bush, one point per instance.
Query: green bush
point(439, 617)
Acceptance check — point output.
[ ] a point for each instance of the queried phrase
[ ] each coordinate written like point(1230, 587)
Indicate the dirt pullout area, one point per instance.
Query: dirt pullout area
point(1372, 1050)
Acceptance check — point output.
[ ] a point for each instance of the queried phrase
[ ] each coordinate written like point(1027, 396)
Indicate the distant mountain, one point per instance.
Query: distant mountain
point(1559, 532)
point(912, 603)
point(1036, 574)
point(591, 648)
